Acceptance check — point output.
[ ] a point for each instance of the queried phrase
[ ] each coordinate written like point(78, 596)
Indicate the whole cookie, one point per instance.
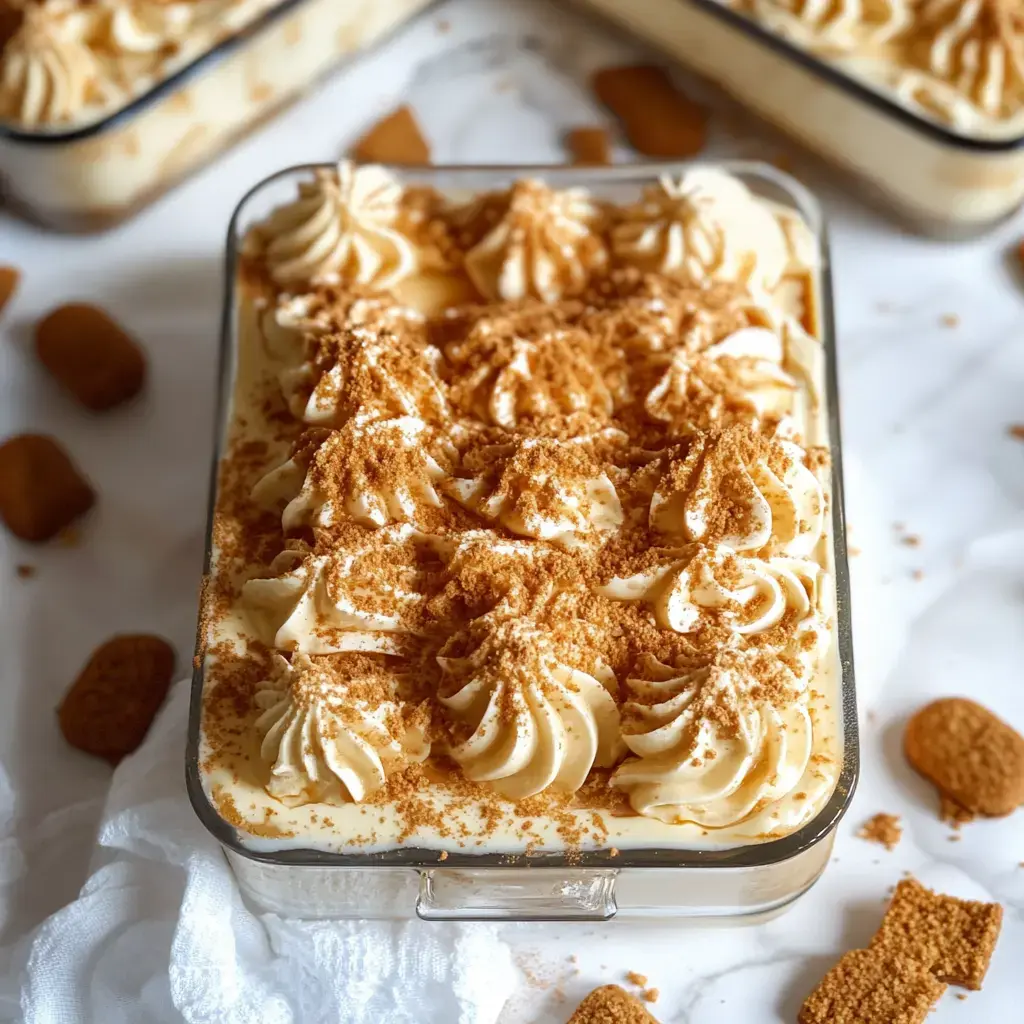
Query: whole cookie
point(90, 355)
point(969, 754)
point(41, 491)
point(112, 703)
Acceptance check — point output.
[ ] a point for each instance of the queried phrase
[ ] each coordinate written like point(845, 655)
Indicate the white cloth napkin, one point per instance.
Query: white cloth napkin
point(160, 932)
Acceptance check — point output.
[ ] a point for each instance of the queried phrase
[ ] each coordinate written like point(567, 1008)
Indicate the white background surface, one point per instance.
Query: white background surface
point(926, 408)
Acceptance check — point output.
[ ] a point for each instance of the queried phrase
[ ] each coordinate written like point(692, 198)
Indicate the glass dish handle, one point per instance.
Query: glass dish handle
point(523, 894)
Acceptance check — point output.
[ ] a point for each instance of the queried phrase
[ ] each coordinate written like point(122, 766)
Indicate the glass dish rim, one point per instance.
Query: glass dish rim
point(844, 81)
point(9, 132)
point(764, 854)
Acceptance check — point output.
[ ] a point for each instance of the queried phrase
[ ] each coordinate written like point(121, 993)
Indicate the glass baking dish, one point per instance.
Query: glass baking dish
point(938, 181)
point(90, 177)
point(739, 883)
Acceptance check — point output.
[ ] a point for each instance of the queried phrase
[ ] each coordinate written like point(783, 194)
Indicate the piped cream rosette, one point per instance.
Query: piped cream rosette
point(539, 714)
point(332, 727)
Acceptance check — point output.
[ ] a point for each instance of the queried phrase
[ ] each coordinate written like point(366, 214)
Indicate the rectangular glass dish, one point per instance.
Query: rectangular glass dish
point(741, 882)
point(937, 180)
point(88, 177)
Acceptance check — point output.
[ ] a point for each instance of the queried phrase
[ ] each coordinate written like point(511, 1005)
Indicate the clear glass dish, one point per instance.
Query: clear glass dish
point(936, 180)
point(738, 883)
point(91, 177)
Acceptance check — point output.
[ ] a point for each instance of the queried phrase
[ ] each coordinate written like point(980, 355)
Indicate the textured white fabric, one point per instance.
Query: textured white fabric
point(160, 932)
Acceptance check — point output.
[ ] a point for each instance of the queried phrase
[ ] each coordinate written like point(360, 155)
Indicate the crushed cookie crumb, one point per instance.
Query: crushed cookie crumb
point(884, 829)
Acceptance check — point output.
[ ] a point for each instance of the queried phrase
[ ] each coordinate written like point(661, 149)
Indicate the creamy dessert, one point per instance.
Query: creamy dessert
point(522, 536)
point(960, 62)
point(78, 154)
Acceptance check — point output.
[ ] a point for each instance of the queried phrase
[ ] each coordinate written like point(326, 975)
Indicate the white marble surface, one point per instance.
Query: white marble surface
point(926, 407)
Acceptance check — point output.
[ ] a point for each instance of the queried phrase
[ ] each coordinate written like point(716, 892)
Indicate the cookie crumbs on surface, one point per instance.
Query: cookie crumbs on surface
point(884, 829)
point(869, 986)
point(911, 540)
point(950, 320)
point(1016, 431)
point(611, 1004)
point(25, 572)
point(651, 995)
point(961, 996)
point(443, 855)
point(918, 574)
point(640, 980)
point(952, 938)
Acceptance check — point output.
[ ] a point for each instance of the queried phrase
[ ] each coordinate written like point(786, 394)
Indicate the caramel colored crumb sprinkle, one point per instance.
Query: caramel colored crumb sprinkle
point(25, 572)
point(611, 1004)
point(950, 320)
point(883, 829)
point(634, 978)
point(1016, 431)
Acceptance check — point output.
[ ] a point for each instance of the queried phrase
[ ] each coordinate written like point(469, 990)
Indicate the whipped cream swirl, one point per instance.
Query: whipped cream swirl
point(749, 596)
point(544, 245)
point(373, 472)
point(147, 26)
point(538, 487)
point(504, 380)
point(835, 25)
point(48, 69)
point(342, 224)
point(740, 377)
point(706, 225)
point(741, 490)
point(332, 727)
point(974, 51)
point(715, 738)
point(365, 373)
point(537, 720)
point(363, 597)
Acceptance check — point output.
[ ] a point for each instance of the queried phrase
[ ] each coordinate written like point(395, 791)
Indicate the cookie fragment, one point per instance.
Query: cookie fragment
point(657, 118)
point(9, 278)
point(90, 355)
point(872, 986)
point(111, 705)
point(589, 146)
point(396, 139)
point(972, 756)
point(884, 829)
point(611, 1004)
point(954, 939)
point(41, 491)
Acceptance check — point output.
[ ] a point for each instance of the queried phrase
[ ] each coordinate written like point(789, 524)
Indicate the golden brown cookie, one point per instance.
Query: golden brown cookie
point(611, 1005)
point(90, 355)
point(41, 492)
point(396, 139)
point(869, 986)
point(589, 147)
point(972, 756)
point(9, 278)
point(954, 939)
point(657, 118)
point(115, 698)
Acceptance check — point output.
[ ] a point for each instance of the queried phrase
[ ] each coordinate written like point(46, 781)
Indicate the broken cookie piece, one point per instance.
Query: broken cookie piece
point(90, 356)
point(112, 703)
point(656, 117)
point(396, 139)
point(41, 491)
point(589, 146)
point(611, 1005)
point(972, 757)
point(9, 277)
point(952, 938)
point(869, 986)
